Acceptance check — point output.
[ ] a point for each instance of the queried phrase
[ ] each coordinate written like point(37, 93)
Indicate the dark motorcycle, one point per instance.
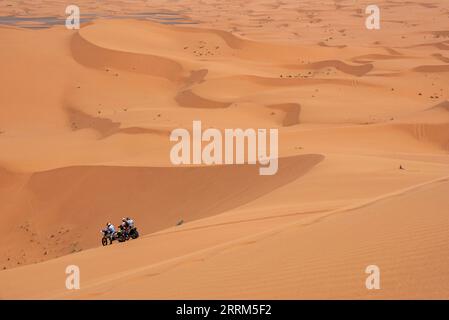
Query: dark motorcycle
point(124, 235)
point(133, 233)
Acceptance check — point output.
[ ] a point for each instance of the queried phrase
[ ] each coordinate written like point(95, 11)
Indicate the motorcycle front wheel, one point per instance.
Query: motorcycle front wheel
point(135, 234)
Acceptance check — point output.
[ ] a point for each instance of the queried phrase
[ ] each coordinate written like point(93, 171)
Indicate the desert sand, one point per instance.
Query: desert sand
point(363, 120)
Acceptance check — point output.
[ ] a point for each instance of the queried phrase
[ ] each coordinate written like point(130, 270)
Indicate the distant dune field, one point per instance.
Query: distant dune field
point(363, 122)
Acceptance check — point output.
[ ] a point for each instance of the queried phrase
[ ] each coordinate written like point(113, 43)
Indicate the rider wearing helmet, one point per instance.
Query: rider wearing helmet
point(130, 222)
point(110, 230)
point(124, 226)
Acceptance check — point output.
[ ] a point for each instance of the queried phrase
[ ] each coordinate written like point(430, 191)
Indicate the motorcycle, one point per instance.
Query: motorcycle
point(107, 239)
point(120, 236)
point(133, 233)
point(123, 235)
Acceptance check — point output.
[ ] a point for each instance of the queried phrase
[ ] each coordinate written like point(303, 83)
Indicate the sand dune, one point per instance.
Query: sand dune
point(83, 51)
point(291, 110)
point(362, 115)
point(367, 58)
point(316, 267)
point(105, 193)
point(432, 68)
point(106, 127)
point(435, 133)
point(339, 65)
point(444, 106)
point(191, 100)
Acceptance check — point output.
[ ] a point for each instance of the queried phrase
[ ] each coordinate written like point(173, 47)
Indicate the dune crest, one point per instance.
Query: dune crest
point(94, 56)
point(361, 117)
point(292, 112)
point(358, 70)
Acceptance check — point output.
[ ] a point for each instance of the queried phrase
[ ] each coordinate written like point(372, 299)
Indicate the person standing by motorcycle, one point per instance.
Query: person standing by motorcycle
point(130, 222)
point(109, 231)
point(133, 233)
point(125, 227)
